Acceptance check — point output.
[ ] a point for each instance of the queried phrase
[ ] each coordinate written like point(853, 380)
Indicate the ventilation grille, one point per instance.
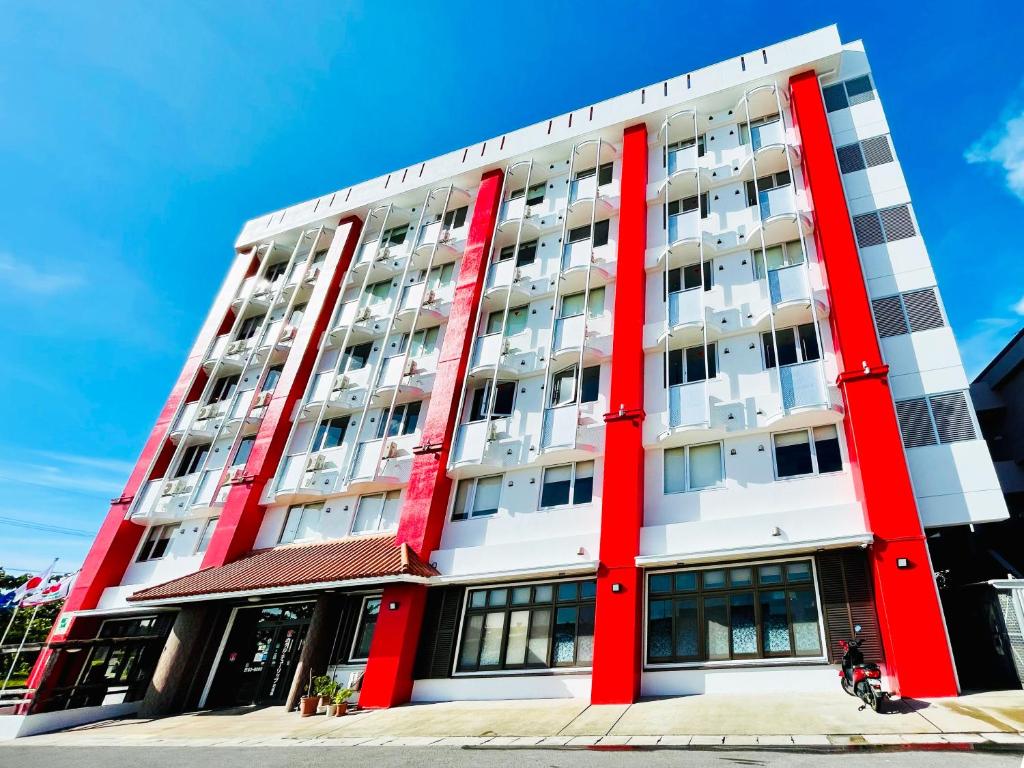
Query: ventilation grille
point(868, 229)
point(897, 223)
point(889, 316)
point(876, 151)
point(844, 581)
point(952, 417)
point(850, 158)
point(915, 423)
point(923, 311)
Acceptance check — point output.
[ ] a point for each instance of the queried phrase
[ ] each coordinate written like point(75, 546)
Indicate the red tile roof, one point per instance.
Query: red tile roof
point(360, 557)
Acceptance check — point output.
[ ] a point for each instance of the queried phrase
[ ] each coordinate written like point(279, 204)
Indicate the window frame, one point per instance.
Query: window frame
point(303, 508)
point(360, 626)
point(686, 468)
point(319, 439)
point(151, 540)
point(712, 368)
point(799, 347)
point(209, 527)
point(759, 255)
point(490, 390)
point(469, 513)
point(572, 484)
point(761, 659)
point(384, 496)
point(813, 447)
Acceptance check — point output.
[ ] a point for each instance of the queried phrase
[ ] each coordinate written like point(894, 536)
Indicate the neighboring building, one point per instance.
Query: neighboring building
point(595, 408)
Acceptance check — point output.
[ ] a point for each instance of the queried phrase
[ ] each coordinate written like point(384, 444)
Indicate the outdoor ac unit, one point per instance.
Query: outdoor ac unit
point(384, 254)
point(492, 431)
point(517, 275)
point(207, 412)
point(446, 236)
point(363, 315)
point(506, 346)
point(411, 369)
point(236, 347)
point(429, 298)
point(263, 398)
point(316, 463)
point(289, 333)
point(392, 451)
point(313, 274)
point(527, 211)
point(236, 475)
point(340, 382)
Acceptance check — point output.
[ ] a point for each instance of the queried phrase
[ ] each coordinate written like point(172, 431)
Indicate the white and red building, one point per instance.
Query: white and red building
point(655, 397)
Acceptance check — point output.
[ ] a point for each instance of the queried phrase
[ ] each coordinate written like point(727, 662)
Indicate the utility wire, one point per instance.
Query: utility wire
point(45, 527)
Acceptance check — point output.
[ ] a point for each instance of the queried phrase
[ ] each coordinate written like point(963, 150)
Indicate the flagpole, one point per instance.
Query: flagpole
point(17, 655)
point(7, 629)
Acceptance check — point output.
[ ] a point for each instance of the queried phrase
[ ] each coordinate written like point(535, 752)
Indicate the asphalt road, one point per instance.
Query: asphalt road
point(455, 757)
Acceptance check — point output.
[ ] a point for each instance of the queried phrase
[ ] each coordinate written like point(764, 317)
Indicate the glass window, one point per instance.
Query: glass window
point(687, 204)
point(692, 364)
point(504, 400)
point(424, 341)
point(590, 383)
point(249, 327)
point(797, 344)
point(244, 449)
point(273, 376)
point(693, 467)
point(563, 386)
point(568, 484)
point(206, 535)
point(330, 433)
point(804, 452)
point(404, 419)
point(777, 257)
point(193, 458)
point(376, 512)
point(456, 218)
point(301, 523)
point(477, 497)
point(744, 612)
point(578, 234)
point(550, 625)
point(368, 613)
point(356, 357)
point(157, 540)
point(223, 388)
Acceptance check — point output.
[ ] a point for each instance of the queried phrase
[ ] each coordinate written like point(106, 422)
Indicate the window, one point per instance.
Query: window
point(847, 94)
point(526, 254)
point(675, 146)
point(455, 218)
point(563, 385)
point(934, 419)
point(301, 522)
point(778, 257)
point(864, 154)
point(330, 433)
point(403, 420)
point(376, 512)
point(515, 324)
point(295, 318)
point(907, 312)
point(356, 357)
point(192, 458)
point(578, 234)
point(692, 364)
point(567, 484)
point(368, 613)
point(807, 452)
point(884, 226)
point(394, 235)
point(273, 376)
point(753, 125)
point(249, 327)
point(223, 388)
point(424, 341)
point(157, 540)
point(477, 497)
point(572, 304)
point(375, 293)
point(746, 612)
point(693, 467)
point(604, 174)
point(274, 271)
point(528, 626)
point(503, 400)
point(244, 449)
point(766, 184)
point(590, 383)
point(798, 344)
point(687, 204)
point(692, 276)
point(207, 535)
point(440, 276)
point(534, 195)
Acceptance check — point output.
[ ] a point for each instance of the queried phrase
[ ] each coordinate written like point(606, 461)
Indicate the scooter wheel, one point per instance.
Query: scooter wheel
point(847, 687)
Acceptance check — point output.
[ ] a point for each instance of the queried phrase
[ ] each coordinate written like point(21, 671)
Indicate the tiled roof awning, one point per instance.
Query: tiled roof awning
point(362, 558)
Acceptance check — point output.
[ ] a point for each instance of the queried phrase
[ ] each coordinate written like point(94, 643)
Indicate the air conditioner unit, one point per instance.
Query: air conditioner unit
point(517, 275)
point(506, 346)
point(312, 275)
point(392, 451)
point(207, 412)
point(492, 431)
point(411, 369)
point(236, 347)
point(236, 475)
point(429, 298)
point(263, 399)
point(316, 463)
point(179, 486)
point(289, 333)
point(363, 315)
point(527, 211)
point(446, 236)
point(384, 254)
point(340, 382)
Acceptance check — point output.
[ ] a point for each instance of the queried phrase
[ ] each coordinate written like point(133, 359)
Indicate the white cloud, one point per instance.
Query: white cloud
point(1019, 306)
point(28, 278)
point(66, 472)
point(1003, 145)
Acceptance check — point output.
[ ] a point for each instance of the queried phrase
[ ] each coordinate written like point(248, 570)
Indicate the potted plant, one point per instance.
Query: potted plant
point(324, 687)
point(309, 702)
point(341, 697)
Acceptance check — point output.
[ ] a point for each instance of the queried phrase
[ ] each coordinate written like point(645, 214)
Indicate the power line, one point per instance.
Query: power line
point(46, 527)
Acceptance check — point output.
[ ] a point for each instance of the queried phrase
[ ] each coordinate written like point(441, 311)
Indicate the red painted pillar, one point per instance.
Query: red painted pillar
point(918, 657)
point(242, 513)
point(617, 631)
point(115, 543)
point(388, 679)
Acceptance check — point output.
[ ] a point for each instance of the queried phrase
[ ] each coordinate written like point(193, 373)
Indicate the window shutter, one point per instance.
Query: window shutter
point(835, 97)
point(889, 316)
point(869, 229)
point(915, 423)
point(436, 653)
point(848, 600)
point(897, 223)
point(952, 417)
point(877, 151)
point(923, 310)
point(850, 158)
point(859, 90)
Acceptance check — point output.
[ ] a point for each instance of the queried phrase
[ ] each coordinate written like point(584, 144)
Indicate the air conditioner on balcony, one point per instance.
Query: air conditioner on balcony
point(340, 382)
point(391, 452)
point(363, 315)
point(236, 475)
point(384, 254)
point(517, 275)
point(506, 346)
point(288, 334)
point(263, 399)
point(527, 211)
point(177, 487)
point(492, 432)
point(312, 275)
point(429, 298)
point(236, 347)
point(446, 236)
point(263, 294)
point(411, 369)
point(316, 463)
point(207, 412)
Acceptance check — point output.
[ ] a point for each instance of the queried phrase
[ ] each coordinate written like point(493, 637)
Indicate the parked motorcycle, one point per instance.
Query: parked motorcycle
point(859, 679)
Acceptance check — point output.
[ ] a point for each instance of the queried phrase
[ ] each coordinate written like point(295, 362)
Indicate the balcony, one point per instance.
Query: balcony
point(683, 227)
point(780, 201)
point(504, 278)
point(481, 443)
point(306, 477)
point(380, 464)
point(357, 322)
point(577, 255)
point(560, 427)
point(688, 405)
point(341, 391)
point(682, 159)
point(769, 134)
point(686, 308)
point(167, 500)
point(803, 386)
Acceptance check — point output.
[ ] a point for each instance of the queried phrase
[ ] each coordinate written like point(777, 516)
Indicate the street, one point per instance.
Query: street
point(483, 757)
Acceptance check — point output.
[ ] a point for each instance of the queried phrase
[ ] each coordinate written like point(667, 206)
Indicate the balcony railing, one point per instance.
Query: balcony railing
point(513, 209)
point(471, 441)
point(683, 226)
point(583, 189)
point(501, 273)
point(391, 371)
point(560, 424)
point(681, 159)
point(776, 202)
point(687, 404)
point(788, 284)
point(569, 332)
point(803, 385)
point(576, 254)
point(367, 459)
point(487, 350)
point(766, 135)
point(684, 307)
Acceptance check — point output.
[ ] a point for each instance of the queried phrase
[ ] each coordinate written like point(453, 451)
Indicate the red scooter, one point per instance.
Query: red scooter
point(859, 679)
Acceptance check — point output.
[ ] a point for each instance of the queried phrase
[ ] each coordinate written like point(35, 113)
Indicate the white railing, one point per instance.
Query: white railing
point(684, 307)
point(768, 134)
point(683, 226)
point(513, 209)
point(501, 273)
point(681, 159)
point(430, 233)
point(391, 371)
point(803, 385)
point(412, 296)
point(569, 332)
point(576, 254)
point(583, 189)
point(778, 201)
point(471, 441)
point(367, 459)
point(788, 284)
point(560, 423)
point(687, 404)
point(487, 350)
point(185, 417)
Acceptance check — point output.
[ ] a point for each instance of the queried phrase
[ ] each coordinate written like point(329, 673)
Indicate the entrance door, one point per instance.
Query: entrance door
point(260, 656)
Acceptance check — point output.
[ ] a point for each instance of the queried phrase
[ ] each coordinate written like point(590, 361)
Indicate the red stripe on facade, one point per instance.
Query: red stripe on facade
point(918, 658)
point(617, 628)
point(242, 514)
point(388, 679)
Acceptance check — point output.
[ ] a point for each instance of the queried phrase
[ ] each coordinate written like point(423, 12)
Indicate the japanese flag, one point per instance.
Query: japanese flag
point(33, 585)
point(52, 591)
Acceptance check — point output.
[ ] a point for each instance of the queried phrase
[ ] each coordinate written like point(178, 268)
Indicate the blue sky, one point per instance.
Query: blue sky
point(136, 139)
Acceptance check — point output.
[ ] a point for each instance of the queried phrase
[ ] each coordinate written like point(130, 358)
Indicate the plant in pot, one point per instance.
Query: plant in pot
point(309, 702)
point(324, 687)
point(341, 697)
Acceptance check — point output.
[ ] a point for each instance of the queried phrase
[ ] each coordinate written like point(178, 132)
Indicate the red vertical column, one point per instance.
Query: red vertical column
point(242, 513)
point(918, 657)
point(617, 629)
point(388, 679)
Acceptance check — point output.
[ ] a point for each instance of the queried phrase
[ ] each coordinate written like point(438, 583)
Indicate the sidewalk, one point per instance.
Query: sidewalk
point(820, 720)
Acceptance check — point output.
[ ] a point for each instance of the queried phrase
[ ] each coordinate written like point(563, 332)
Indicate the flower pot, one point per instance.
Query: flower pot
point(325, 701)
point(341, 709)
point(332, 710)
point(308, 705)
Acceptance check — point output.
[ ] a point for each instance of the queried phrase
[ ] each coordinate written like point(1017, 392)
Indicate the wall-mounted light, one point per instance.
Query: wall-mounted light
point(616, 587)
point(902, 562)
point(760, 448)
point(732, 451)
point(393, 605)
point(776, 531)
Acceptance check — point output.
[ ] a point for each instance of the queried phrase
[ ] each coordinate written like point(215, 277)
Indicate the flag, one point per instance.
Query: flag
point(52, 591)
point(33, 585)
point(7, 598)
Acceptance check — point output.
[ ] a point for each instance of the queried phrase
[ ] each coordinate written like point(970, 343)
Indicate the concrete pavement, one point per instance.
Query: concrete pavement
point(710, 720)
